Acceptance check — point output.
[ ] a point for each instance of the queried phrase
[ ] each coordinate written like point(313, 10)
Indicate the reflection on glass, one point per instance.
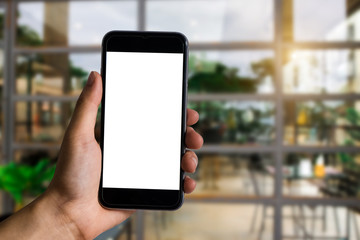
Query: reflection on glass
point(234, 175)
point(203, 221)
point(324, 123)
point(205, 20)
point(322, 71)
point(235, 122)
point(32, 157)
point(66, 23)
point(231, 71)
point(43, 122)
point(321, 20)
point(54, 74)
point(320, 222)
point(322, 175)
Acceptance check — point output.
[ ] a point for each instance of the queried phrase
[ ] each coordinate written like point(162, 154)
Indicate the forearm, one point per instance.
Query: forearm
point(39, 220)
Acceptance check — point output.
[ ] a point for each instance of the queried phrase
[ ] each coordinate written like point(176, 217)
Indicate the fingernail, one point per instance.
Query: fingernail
point(91, 79)
point(195, 160)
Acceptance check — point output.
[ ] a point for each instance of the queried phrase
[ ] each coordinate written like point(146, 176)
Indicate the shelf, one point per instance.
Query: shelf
point(233, 148)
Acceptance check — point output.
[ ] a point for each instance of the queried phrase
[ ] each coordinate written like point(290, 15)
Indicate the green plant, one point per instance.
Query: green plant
point(212, 76)
point(20, 180)
point(232, 124)
point(353, 117)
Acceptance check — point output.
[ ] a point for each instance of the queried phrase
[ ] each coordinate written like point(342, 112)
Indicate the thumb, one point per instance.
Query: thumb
point(84, 116)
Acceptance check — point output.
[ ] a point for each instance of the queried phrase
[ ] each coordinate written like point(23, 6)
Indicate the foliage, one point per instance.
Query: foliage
point(27, 36)
point(211, 76)
point(219, 122)
point(263, 68)
point(345, 158)
point(222, 79)
point(354, 118)
point(20, 179)
point(77, 71)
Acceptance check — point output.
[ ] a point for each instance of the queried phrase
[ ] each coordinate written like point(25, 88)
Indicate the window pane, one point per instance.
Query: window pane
point(236, 122)
point(322, 175)
point(43, 122)
point(322, 123)
point(54, 74)
point(322, 71)
point(203, 221)
point(66, 23)
point(229, 175)
point(205, 20)
point(231, 71)
point(320, 222)
point(321, 20)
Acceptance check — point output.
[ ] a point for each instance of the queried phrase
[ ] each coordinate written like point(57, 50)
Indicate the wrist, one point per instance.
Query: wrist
point(51, 214)
point(41, 219)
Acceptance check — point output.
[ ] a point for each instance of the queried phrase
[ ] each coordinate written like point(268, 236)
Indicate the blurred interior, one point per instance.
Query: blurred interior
point(277, 86)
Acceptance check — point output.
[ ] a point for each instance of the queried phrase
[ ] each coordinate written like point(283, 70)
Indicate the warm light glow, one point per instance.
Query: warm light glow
point(294, 55)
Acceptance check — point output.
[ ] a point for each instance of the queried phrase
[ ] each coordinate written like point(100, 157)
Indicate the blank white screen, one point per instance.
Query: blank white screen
point(142, 128)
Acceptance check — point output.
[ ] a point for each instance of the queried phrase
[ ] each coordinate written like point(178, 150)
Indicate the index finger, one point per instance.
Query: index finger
point(192, 117)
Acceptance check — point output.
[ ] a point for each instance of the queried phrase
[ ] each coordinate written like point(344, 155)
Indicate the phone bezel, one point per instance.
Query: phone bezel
point(144, 41)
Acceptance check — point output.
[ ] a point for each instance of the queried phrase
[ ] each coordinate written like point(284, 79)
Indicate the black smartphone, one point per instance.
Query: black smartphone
point(143, 119)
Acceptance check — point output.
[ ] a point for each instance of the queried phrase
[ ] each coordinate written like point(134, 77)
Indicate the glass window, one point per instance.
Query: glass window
point(213, 21)
point(54, 74)
point(234, 175)
point(321, 20)
point(42, 122)
point(320, 222)
point(213, 221)
point(322, 175)
point(322, 123)
point(66, 23)
point(231, 72)
point(236, 122)
point(322, 71)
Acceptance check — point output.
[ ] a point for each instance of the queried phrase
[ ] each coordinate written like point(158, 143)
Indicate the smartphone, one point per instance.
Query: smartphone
point(143, 119)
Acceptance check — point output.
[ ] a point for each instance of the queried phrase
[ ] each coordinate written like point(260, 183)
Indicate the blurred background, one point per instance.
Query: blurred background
point(277, 86)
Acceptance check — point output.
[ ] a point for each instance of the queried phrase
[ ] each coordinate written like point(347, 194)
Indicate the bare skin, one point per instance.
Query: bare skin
point(69, 209)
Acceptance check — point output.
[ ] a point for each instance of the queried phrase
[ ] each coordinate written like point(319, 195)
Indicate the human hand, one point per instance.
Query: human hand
point(74, 189)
